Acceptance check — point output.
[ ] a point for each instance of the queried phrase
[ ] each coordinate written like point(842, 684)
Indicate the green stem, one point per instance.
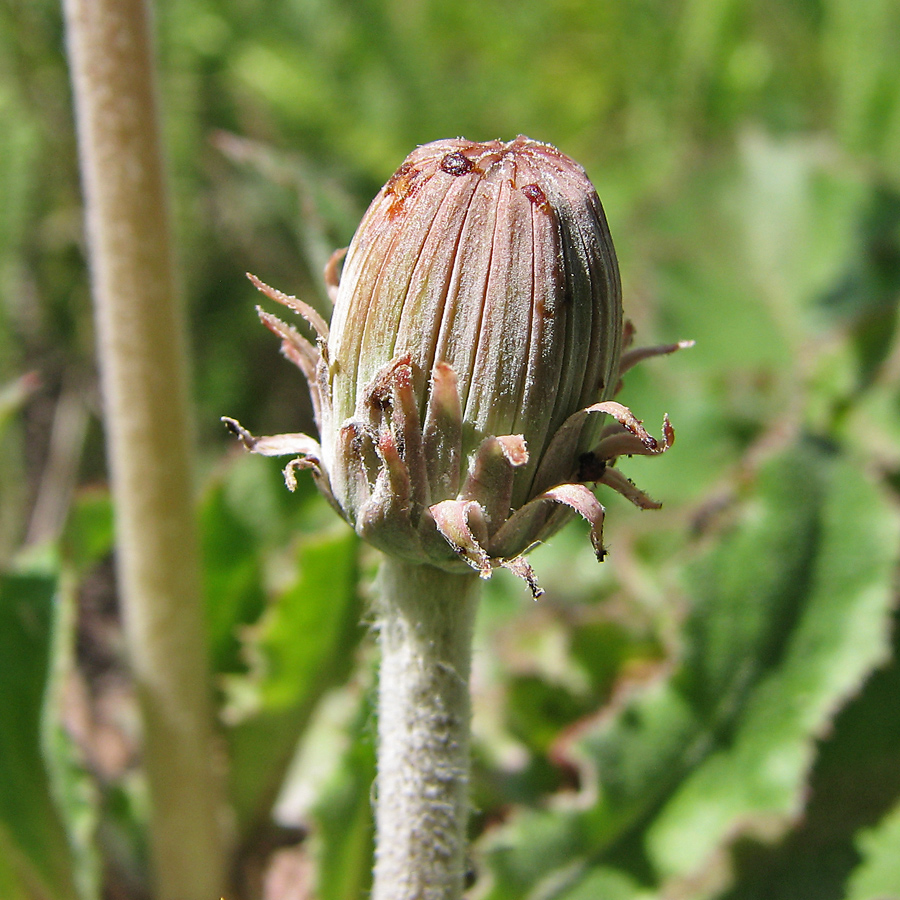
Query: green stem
point(425, 622)
point(141, 345)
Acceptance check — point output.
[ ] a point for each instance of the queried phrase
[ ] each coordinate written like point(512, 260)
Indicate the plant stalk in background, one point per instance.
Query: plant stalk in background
point(462, 394)
point(141, 345)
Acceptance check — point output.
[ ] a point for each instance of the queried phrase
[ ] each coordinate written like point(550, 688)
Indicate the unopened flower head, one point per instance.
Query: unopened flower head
point(462, 390)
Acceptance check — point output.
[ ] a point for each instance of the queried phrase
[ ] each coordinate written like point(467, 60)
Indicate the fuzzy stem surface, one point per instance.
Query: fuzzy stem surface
point(425, 620)
point(143, 364)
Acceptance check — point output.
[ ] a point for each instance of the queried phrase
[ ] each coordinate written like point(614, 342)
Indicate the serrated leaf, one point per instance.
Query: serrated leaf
point(639, 754)
point(302, 646)
point(36, 859)
point(855, 783)
point(840, 634)
point(789, 614)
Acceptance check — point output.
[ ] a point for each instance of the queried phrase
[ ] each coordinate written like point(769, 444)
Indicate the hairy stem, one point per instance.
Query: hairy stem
point(425, 621)
point(141, 345)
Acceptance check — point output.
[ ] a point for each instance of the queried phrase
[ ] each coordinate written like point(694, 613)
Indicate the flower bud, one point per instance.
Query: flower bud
point(462, 391)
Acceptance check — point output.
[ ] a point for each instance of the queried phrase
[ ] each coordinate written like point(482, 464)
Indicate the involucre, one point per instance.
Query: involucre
point(462, 392)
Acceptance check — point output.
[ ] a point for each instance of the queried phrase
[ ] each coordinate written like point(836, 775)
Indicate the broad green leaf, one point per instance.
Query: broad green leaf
point(878, 876)
point(256, 497)
point(302, 645)
point(789, 614)
point(853, 787)
point(639, 756)
point(839, 633)
point(247, 517)
point(36, 859)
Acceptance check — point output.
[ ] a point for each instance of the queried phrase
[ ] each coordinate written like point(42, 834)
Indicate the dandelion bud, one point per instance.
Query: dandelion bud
point(462, 391)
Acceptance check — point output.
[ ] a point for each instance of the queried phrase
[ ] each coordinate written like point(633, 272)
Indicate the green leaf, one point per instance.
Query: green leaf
point(789, 613)
point(73, 786)
point(878, 877)
point(302, 646)
point(840, 633)
point(88, 535)
point(855, 783)
point(232, 578)
point(608, 883)
point(35, 861)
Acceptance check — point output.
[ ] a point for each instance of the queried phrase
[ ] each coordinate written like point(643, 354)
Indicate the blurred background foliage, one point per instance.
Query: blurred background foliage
point(711, 713)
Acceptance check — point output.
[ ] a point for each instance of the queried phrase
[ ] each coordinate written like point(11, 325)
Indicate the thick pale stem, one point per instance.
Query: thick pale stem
point(143, 368)
point(425, 621)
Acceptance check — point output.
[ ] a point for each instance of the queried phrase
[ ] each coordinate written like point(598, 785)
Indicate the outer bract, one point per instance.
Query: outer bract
point(462, 392)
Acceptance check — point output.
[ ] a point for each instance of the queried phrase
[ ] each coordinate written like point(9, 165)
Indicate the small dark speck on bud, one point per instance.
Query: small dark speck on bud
point(456, 164)
point(534, 193)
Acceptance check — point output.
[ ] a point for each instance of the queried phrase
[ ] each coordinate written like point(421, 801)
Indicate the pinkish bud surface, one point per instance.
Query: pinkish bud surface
point(495, 259)
point(462, 390)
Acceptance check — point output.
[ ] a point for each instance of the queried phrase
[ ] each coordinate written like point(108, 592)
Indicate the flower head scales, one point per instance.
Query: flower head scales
point(462, 391)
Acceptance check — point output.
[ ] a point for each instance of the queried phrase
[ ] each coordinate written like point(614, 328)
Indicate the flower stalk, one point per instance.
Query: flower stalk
point(425, 622)
point(143, 364)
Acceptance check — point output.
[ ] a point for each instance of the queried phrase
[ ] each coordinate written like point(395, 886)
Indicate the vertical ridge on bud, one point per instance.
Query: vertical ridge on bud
point(423, 309)
point(461, 321)
point(546, 350)
point(498, 363)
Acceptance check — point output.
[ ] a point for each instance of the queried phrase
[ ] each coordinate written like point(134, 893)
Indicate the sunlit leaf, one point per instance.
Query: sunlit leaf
point(839, 632)
point(789, 613)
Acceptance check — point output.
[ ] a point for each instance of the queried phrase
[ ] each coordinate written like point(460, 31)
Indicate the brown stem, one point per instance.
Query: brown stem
point(142, 354)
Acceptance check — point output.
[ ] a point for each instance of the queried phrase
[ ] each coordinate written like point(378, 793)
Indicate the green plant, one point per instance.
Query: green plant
point(710, 714)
